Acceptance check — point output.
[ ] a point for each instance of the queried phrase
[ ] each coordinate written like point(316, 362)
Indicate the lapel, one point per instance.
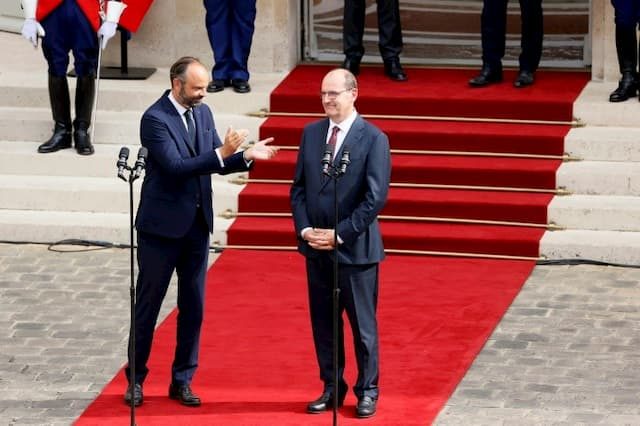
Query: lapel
point(177, 127)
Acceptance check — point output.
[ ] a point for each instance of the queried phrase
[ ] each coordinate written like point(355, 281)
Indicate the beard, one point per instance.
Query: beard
point(189, 101)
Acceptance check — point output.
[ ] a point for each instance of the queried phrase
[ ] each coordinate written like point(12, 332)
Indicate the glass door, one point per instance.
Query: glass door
point(447, 32)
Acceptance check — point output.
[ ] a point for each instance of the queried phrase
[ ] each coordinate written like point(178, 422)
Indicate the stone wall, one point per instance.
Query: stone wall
point(174, 28)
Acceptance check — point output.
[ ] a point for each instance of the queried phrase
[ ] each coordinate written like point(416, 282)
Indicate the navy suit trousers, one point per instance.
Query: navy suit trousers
point(158, 257)
point(494, 27)
point(359, 298)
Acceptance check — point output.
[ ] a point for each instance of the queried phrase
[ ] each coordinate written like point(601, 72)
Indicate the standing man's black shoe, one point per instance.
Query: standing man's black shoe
point(351, 64)
point(524, 79)
point(184, 395)
point(136, 390)
point(217, 86)
point(366, 407)
point(487, 76)
point(394, 71)
point(325, 402)
point(61, 139)
point(240, 86)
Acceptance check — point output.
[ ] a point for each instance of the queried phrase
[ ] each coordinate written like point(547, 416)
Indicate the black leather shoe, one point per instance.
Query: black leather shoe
point(366, 407)
point(82, 141)
point(137, 395)
point(217, 86)
point(61, 139)
point(351, 64)
point(184, 395)
point(324, 403)
point(394, 71)
point(487, 76)
point(240, 86)
point(627, 88)
point(524, 79)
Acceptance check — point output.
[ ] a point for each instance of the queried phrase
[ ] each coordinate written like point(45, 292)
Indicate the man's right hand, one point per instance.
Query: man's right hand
point(31, 29)
point(232, 141)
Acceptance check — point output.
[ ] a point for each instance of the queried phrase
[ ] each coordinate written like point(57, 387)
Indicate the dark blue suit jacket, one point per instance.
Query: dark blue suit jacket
point(362, 191)
point(177, 179)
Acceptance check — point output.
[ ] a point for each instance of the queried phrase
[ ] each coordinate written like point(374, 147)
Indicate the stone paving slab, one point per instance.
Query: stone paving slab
point(567, 352)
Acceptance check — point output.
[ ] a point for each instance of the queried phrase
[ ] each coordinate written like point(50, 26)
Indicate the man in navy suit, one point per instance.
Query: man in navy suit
point(175, 217)
point(362, 192)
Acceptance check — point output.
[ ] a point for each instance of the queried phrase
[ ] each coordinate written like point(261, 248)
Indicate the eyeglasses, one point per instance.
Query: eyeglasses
point(332, 95)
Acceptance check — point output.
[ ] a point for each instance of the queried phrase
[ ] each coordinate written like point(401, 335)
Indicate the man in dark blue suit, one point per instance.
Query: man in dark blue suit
point(494, 27)
point(230, 26)
point(362, 192)
point(175, 217)
point(627, 18)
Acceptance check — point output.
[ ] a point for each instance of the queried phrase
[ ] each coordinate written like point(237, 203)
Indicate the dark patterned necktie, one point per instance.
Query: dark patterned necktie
point(191, 129)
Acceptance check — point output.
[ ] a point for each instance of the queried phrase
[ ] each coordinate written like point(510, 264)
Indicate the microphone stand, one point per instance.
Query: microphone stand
point(134, 173)
point(335, 172)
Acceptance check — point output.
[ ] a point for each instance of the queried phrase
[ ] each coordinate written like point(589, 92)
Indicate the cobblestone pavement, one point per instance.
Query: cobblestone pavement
point(566, 352)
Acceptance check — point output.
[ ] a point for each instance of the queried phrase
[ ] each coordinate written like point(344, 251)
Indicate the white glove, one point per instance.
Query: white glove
point(110, 25)
point(31, 29)
point(107, 31)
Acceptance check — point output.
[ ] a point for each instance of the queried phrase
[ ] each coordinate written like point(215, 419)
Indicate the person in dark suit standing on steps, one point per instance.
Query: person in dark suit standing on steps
point(627, 17)
point(175, 217)
point(230, 26)
point(362, 192)
point(494, 27)
point(389, 36)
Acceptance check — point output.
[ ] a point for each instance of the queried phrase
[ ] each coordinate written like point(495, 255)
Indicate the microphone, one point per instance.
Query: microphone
point(326, 162)
point(122, 162)
point(140, 163)
point(344, 162)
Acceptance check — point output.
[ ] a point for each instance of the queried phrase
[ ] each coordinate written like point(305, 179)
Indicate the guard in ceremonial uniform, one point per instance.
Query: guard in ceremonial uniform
point(74, 26)
point(627, 17)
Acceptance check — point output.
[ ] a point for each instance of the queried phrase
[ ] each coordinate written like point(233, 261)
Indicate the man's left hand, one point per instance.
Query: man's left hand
point(261, 151)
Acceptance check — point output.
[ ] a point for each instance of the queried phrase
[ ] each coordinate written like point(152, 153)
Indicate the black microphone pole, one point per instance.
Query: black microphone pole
point(134, 173)
point(335, 173)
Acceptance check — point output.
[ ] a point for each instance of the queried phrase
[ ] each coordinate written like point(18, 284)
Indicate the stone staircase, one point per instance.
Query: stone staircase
point(51, 197)
point(601, 217)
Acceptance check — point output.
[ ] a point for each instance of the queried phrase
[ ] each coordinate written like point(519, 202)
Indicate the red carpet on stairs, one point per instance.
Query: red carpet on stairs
point(257, 363)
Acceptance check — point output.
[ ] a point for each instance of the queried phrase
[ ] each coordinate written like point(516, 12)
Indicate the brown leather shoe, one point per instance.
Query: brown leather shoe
point(184, 395)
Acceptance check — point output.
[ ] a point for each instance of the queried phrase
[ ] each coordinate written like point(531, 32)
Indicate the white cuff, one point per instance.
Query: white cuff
point(114, 10)
point(29, 7)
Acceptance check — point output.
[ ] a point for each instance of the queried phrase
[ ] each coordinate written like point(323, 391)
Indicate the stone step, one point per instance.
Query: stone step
point(604, 143)
point(90, 194)
point(600, 177)
point(596, 212)
point(605, 246)
point(52, 226)
point(593, 108)
point(112, 127)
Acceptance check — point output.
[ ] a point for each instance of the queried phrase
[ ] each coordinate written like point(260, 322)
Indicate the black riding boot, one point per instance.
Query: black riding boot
point(627, 48)
point(61, 112)
point(85, 91)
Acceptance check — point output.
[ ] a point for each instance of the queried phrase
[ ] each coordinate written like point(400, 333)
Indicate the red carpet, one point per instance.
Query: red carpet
point(435, 313)
point(467, 174)
point(257, 364)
